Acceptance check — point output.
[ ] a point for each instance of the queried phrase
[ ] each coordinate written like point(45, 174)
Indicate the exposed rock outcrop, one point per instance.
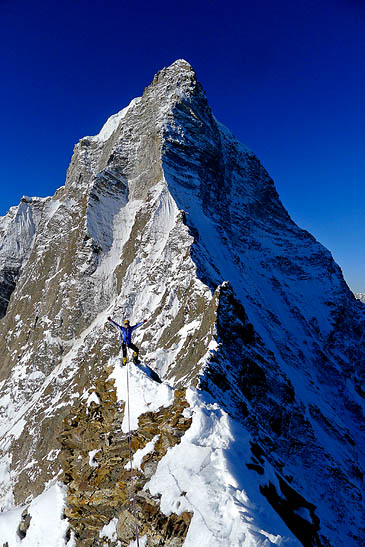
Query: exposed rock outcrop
point(96, 467)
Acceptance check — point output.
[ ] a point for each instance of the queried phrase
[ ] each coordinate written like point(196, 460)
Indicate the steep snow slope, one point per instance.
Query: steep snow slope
point(165, 215)
point(47, 525)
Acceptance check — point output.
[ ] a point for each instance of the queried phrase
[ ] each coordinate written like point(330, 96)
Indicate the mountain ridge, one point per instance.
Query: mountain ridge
point(164, 214)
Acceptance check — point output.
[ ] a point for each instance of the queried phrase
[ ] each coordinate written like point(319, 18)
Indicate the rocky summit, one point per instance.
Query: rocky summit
point(241, 422)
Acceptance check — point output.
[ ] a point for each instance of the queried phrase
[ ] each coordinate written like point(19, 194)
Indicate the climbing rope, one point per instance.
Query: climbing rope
point(130, 460)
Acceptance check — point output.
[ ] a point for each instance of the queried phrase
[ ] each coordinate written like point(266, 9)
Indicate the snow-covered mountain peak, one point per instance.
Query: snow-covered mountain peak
point(179, 73)
point(139, 127)
point(251, 329)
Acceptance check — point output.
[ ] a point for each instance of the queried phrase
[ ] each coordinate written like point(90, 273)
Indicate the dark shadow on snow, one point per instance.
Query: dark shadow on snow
point(149, 372)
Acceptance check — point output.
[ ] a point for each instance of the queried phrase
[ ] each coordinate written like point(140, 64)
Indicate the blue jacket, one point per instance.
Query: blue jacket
point(126, 332)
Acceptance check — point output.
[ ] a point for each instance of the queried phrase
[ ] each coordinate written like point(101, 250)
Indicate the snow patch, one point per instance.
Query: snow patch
point(109, 531)
point(141, 453)
point(47, 525)
point(52, 454)
point(93, 398)
point(142, 542)
point(145, 394)
point(7, 498)
point(92, 453)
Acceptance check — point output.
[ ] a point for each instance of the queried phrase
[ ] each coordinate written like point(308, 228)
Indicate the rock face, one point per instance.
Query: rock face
point(165, 215)
point(97, 473)
point(17, 233)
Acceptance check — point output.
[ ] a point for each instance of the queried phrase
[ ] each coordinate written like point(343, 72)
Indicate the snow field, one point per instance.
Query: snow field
point(206, 474)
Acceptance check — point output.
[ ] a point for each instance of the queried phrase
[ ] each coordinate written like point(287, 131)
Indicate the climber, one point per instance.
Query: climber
point(126, 338)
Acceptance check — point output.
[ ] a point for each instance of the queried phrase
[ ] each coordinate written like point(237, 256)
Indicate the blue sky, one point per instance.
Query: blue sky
point(286, 77)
